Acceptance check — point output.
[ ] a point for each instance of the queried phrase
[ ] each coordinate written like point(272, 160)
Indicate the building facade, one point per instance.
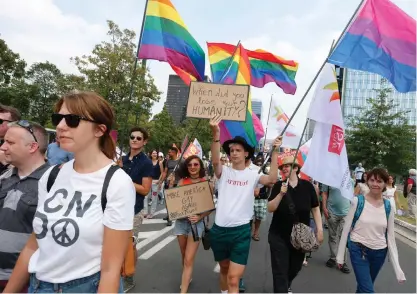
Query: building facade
point(358, 86)
point(177, 97)
point(257, 108)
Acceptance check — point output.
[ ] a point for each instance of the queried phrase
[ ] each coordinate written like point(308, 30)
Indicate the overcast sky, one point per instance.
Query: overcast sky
point(302, 30)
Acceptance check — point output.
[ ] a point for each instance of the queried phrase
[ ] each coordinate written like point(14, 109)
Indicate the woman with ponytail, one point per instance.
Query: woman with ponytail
point(84, 217)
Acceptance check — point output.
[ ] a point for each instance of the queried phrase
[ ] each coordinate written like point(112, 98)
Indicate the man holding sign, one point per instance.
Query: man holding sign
point(231, 231)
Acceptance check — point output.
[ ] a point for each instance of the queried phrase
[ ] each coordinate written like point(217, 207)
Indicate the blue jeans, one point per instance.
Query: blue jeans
point(366, 264)
point(83, 285)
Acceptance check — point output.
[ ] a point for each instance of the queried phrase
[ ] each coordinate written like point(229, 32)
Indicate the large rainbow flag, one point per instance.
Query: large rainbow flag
point(381, 39)
point(166, 38)
point(265, 67)
point(238, 72)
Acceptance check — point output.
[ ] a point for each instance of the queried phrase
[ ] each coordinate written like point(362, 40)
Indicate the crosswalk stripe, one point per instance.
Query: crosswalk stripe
point(148, 254)
point(153, 221)
point(145, 242)
point(146, 235)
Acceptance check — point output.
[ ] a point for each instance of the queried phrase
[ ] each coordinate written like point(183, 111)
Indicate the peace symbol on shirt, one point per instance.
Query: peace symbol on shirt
point(60, 233)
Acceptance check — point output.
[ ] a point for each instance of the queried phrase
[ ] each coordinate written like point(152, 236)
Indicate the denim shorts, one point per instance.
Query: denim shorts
point(83, 285)
point(183, 227)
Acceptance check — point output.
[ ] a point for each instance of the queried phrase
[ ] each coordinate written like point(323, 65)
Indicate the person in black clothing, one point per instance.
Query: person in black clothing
point(286, 261)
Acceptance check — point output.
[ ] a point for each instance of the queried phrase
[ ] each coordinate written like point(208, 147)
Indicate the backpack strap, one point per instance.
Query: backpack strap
point(107, 179)
point(358, 212)
point(387, 206)
point(52, 177)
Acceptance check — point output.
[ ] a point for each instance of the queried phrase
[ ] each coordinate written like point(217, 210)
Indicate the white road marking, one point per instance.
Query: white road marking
point(217, 268)
point(148, 254)
point(146, 235)
point(145, 242)
point(153, 221)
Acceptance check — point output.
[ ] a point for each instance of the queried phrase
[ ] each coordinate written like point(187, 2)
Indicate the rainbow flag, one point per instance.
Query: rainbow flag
point(381, 39)
point(238, 72)
point(265, 67)
point(166, 38)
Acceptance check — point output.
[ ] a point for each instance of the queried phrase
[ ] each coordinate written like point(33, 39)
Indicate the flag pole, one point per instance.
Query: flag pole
point(230, 63)
point(135, 65)
point(316, 76)
point(267, 122)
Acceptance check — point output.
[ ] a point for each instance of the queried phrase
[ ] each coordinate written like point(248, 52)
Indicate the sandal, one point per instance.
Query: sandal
point(256, 238)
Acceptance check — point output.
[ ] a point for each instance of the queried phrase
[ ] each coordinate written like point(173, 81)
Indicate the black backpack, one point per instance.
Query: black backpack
point(55, 171)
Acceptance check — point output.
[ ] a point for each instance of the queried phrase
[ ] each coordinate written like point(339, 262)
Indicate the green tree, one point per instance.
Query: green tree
point(11, 66)
point(108, 71)
point(380, 136)
point(44, 77)
point(163, 132)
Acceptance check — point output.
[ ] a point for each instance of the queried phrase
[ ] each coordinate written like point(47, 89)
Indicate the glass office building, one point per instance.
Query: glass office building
point(257, 108)
point(358, 87)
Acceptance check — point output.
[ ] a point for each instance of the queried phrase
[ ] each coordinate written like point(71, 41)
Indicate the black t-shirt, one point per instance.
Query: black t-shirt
point(304, 197)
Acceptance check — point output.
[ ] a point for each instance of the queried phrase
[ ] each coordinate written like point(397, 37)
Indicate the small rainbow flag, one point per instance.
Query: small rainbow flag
point(238, 72)
point(382, 40)
point(265, 67)
point(166, 38)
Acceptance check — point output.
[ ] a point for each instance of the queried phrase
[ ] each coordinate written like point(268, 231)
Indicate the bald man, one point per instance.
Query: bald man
point(24, 147)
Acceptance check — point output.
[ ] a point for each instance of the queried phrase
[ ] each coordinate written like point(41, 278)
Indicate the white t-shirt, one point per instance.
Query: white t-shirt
point(69, 222)
point(236, 196)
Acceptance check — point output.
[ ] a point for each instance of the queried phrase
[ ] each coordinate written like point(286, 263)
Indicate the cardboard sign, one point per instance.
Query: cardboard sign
point(207, 100)
point(184, 201)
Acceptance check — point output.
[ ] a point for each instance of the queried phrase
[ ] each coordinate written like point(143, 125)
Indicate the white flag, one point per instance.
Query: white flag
point(277, 122)
point(327, 160)
point(199, 148)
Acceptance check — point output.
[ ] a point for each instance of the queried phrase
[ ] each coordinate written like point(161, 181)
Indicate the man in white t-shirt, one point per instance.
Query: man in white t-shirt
point(359, 171)
point(231, 233)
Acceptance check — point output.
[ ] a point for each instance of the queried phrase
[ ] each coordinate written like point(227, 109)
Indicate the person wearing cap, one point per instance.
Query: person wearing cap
point(286, 261)
point(231, 232)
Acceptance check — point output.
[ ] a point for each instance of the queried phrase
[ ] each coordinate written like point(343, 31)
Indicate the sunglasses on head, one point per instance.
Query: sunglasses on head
point(27, 126)
point(193, 164)
point(137, 138)
point(72, 120)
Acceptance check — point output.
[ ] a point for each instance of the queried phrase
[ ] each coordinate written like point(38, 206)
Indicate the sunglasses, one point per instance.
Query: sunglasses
point(193, 164)
point(27, 126)
point(137, 138)
point(3, 120)
point(72, 120)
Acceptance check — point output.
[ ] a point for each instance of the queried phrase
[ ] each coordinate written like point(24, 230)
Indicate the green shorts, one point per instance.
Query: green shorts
point(231, 243)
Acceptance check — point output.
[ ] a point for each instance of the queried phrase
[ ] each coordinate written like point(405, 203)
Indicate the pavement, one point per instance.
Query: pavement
point(159, 266)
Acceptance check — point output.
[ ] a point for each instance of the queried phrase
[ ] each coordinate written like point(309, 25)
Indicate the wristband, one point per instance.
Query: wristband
point(216, 141)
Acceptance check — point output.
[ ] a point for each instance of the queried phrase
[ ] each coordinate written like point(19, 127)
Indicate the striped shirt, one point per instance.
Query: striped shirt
point(18, 202)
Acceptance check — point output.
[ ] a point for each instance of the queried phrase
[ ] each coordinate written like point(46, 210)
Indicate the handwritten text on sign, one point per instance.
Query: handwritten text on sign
point(184, 201)
point(207, 100)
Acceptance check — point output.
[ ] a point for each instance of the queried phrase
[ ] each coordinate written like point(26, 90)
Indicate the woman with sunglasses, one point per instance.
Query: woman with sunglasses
point(76, 245)
point(191, 172)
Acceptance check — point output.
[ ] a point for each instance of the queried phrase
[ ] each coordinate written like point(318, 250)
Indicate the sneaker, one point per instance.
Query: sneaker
point(331, 263)
point(344, 269)
point(128, 284)
point(289, 291)
point(242, 287)
point(165, 218)
point(169, 223)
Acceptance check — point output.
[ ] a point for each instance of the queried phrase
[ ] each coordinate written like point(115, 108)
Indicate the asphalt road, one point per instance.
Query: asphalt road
point(159, 267)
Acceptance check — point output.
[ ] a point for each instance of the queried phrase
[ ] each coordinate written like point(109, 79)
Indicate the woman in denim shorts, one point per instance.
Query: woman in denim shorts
point(190, 230)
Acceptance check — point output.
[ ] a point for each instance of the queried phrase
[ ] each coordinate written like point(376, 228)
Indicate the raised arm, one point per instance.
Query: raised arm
point(215, 146)
point(272, 178)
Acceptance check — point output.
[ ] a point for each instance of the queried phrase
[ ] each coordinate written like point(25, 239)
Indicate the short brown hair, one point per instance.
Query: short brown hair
point(96, 108)
point(41, 136)
point(14, 113)
point(142, 130)
point(380, 173)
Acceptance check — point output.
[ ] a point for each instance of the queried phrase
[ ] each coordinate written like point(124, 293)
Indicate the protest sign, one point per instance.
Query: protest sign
point(184, 201)
point(206, 100)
